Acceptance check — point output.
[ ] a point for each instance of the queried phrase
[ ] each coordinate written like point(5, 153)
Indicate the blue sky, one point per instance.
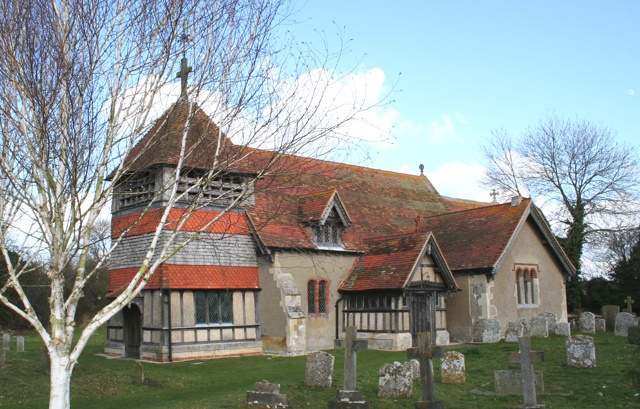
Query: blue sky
point(462, 69)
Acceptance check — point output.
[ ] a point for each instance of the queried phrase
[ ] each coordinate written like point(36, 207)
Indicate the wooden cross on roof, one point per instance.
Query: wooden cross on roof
point(351, 347)
point(424, 353)
point(629, 301)
point(183, 74)
point(526, 358)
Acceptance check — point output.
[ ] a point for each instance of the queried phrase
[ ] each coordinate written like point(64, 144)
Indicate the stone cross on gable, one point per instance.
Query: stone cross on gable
point(351, 347)
point(494, 194)
point(629, 301)
point(183, 74)
point(424, 353)
point(526, 358)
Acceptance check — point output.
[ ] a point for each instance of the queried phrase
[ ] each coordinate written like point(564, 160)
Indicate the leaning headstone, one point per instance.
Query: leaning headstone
point(634, 334)
point(349, 397)
point(20, 343)
point(509, 381)
point(601, 325)
point(44, 359)
point(486, 331)
point(540, 327)
point(415, 369)
point(587, 323)
point(513, 332)
point(266, 394)
point(6, 340)
point(581, 351)
point(609, 313)
point(319, 371)
point(395, 380)
point(623, 321)
point(425, 352)
point(526, 358)
point(452, 368)
point(562, 329)
point(137, 373)
point(551, 318)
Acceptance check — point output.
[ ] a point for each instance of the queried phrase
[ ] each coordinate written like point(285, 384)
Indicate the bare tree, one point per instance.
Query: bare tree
point(81, 81)
point(588, 181)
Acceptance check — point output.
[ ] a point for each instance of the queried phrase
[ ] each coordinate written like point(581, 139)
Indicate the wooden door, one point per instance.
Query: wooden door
point(132, 331)
point(422, 313)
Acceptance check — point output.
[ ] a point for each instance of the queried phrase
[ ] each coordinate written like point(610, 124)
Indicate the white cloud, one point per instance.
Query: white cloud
point(631, 91)
point(456, 179)
point(446, 127)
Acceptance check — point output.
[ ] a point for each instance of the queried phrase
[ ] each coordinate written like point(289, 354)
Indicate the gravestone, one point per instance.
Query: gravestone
point(395, 380)
point(601, 324)
point(629, 302)
point(349, 397)
point(634, 334)
point(452, 368)
point(540, 327)
point(587, 323)
point(266, 394)
point(137, 373)
point(551, 318)
point(424, 353)
point(415, 369)
point(486, 331)
point(581, 351)
point(20, 343)
point(6, 340)
point(623, 321)
point(526, 327)
point(609, 313)
point(562, 329)
point(319, 370)
point(513, 332)
point(526, 358)
point(509, 382)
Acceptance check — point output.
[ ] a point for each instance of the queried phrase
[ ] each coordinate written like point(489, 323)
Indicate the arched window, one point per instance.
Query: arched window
point(317, 297)
point(527, 285)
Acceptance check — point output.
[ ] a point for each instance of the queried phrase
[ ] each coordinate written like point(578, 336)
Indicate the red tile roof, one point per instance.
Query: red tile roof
point(476, 239)
point(190, 277)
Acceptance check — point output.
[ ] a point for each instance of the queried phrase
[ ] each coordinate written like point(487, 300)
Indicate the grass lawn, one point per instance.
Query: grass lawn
point(106, 383)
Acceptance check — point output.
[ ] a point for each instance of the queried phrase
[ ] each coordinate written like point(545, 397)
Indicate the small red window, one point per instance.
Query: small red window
point(317, 297)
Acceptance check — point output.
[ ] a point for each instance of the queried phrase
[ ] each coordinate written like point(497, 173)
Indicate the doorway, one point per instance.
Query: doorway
point(132, 331)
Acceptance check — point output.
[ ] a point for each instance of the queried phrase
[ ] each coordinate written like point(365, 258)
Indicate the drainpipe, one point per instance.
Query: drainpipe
point(338, 317)
point(170, 349)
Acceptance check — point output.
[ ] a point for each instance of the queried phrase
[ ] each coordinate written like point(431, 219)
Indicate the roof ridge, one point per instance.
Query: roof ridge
point(473, 209)
point(393, 236)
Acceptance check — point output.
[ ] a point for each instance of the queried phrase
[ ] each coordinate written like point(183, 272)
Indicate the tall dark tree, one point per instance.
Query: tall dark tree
point(578, 168)
point(626, 274)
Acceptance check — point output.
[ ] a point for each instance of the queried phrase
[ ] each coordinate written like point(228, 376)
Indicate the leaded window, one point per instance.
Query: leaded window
point(317, 297)
point(311, 296)
point(213, 307)
point(527, 285)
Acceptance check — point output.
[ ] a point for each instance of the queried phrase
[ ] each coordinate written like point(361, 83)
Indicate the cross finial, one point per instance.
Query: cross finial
point(629, 301)
point(183, 74)
point(495, 195)
point(421, 169)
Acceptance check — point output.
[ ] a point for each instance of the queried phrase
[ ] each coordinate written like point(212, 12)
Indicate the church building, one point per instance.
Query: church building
point(310, 247)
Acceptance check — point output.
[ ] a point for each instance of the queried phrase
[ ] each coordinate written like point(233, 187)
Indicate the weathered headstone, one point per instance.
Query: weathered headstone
point(137, 373)
point(266, 394)
point(634, 334)
point(623, 321)
point(601, 324)
point(629, 302)
point(415, 369)
point(581, 351)
point(425, 352)
point(20, 343)
point(526, 327)
point(540, 327)
point(587, 323)
point(452, 368)
point(562, 329)
point(6, 340)
point(44, 359)
point(513, 332)
point(395, 380)
point(319, 370)
point(526, 358)
point(609, 313)
point(349, 397)
point(509, 382)
point(486, 331)
point(551, 318)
